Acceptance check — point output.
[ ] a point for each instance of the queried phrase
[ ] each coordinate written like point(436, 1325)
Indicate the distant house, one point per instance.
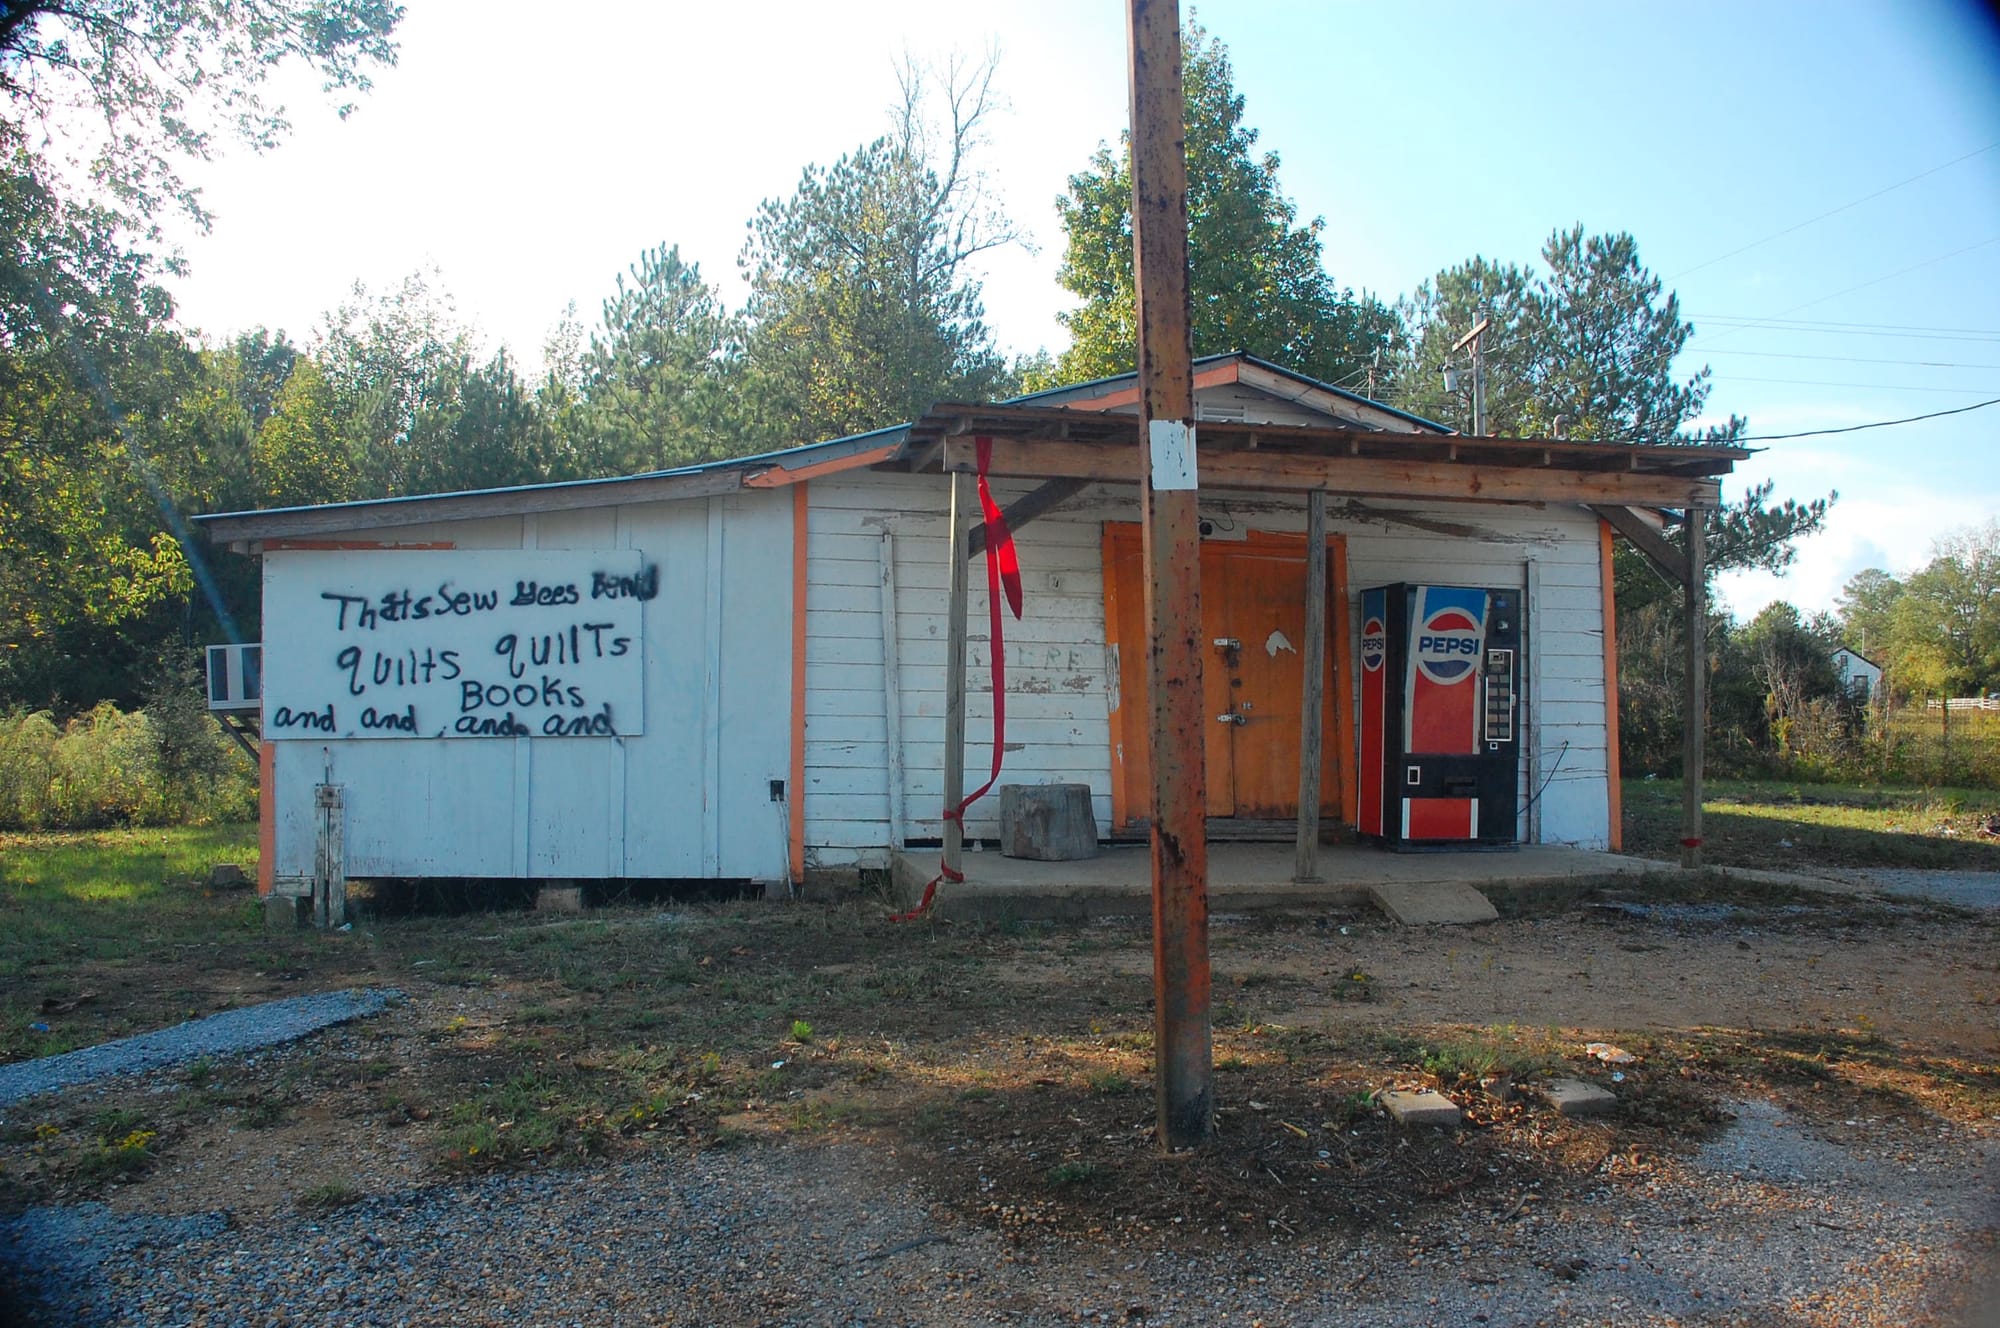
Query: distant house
point(1859, 675)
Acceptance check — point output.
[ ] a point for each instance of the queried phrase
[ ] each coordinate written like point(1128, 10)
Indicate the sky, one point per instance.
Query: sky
point(1819, 183)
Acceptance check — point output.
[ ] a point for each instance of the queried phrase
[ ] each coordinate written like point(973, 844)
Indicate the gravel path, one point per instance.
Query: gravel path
point(1770, 1223)
point(228, 1033)
point(1966, 889)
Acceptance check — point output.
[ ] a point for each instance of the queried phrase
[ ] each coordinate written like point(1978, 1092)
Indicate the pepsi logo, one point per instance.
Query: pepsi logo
point(1374, 644)
point(1448, 646)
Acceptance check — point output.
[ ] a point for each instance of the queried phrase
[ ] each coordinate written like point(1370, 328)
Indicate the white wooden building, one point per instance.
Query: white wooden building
point(778, 705)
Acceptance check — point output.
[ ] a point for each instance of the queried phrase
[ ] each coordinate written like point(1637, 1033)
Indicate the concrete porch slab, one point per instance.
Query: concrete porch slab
point(1432, 903)
point(1244, 878)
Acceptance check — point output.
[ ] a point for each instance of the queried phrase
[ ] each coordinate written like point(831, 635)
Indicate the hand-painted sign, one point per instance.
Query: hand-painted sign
point(455, 643)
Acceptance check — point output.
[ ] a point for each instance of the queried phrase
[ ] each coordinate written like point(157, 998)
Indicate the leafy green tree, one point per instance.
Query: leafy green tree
point(1944, 628)
point(1865, 605)
point(111, 424)
point(1257, 279)
point(124, 91)
point(660, 377)
point(862, 308)
point(1791, 657)
point(1584, 348)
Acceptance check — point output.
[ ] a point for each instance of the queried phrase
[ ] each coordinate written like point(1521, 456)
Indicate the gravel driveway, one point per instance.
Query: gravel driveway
point(1965, 889)
point(1770, 1223)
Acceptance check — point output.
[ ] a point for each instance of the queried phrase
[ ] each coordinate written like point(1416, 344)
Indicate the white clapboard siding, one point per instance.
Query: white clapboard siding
point(1056, 713)
point(689, 797)
point(1058, 673)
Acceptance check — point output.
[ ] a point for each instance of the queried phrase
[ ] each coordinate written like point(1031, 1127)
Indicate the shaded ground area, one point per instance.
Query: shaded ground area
point(1813, 827)
point(985, 1090)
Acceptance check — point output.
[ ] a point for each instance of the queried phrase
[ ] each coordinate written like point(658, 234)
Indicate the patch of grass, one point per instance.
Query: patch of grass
point(1108, 1083)
point(1072, 1174)
point(1462, 1058)
point(117, 894)
point(533, 1113)
point(1790, 826)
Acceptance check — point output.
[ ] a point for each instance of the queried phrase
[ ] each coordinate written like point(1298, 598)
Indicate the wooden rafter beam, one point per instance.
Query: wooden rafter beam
point(1039, 502)
point(1660, 551)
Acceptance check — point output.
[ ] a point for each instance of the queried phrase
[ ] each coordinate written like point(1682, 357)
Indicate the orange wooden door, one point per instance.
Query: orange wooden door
point(1253, 616)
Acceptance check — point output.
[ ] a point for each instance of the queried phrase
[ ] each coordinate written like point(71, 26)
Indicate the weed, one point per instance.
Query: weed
point(329, 1195)
point(1355, 986)
point(1075, 1173)
point(198, 1073)
point(801, 1031)
point(1108, 1083)
point(261, 1113)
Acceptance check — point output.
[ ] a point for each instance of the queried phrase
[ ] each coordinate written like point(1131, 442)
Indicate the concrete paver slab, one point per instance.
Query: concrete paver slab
point(1574, 1097)
point(1427, 1107)
point(1432, 903)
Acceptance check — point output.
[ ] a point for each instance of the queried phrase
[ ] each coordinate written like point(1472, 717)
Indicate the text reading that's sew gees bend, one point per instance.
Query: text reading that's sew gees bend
point(456, 643)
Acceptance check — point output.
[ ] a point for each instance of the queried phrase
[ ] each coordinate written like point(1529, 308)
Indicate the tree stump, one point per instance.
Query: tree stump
point(1047, 822)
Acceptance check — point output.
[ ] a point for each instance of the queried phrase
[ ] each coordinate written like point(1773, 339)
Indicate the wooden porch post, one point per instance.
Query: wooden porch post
point(954, 681)
point(1694, 734)
point(1312, 738)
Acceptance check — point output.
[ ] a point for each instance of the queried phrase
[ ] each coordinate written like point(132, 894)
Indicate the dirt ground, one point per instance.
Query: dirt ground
point(1004, 1073)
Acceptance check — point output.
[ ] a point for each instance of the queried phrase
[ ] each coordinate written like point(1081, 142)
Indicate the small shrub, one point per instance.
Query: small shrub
point(111, 767)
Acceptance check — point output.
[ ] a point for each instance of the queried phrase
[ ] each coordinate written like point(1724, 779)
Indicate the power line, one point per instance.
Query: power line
point(1857, 428)
point(1831, 212)
point(1823, 382)
point(1830, 325)
point(1858, 359)
point(1849, 290)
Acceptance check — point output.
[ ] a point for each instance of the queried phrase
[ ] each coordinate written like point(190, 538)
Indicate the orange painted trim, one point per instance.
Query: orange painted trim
point(267, 817)
point(1343, 681)
point(796, 849)
point(289, 544)
point(778, 477)
point(1220, 375)
point(1614, 788)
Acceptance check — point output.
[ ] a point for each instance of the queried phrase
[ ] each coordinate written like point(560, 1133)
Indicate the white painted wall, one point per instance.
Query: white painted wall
point(688, 798)
point(691, 797)
point(1059, 680)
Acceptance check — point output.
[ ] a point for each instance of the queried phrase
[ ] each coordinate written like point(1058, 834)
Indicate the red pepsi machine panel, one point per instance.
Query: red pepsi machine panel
point(1440, 694)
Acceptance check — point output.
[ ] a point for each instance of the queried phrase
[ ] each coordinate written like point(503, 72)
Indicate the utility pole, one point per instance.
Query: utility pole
point(1183, 1049)
point(1476, 338)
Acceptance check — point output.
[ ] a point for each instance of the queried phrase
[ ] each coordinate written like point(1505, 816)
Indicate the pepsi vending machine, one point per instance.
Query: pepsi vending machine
point(1440, 692)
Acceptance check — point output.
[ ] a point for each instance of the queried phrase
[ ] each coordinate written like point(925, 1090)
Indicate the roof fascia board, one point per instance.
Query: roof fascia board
point(341, 518)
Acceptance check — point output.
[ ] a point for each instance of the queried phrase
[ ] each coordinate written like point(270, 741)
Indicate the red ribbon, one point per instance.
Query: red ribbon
point(1003, 571)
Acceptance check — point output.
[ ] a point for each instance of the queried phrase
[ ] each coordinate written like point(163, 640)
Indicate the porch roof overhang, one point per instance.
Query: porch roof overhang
point(1054, 443)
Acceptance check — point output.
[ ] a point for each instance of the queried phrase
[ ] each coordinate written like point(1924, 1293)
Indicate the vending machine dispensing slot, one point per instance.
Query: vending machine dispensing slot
point(1440, 703)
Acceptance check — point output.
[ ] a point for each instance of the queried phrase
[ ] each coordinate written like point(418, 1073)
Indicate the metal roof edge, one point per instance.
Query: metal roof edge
point(1084, 388)
point(819, 451)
